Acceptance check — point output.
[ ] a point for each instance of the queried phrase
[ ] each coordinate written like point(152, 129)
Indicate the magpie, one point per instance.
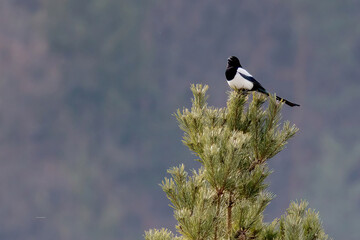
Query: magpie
point(238, 78)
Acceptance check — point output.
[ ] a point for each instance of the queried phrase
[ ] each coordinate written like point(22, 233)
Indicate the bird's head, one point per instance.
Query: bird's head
point(233, 62)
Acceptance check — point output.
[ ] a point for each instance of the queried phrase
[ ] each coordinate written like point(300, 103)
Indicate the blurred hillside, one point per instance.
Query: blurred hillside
point(88, 89)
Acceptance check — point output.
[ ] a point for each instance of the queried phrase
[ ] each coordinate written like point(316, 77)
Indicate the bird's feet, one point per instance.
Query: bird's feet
point(242, 91)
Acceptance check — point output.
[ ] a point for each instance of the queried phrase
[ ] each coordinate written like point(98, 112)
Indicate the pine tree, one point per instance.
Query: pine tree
point(226, 197)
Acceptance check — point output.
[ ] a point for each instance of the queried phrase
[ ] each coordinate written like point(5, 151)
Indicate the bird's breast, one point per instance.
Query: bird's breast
point(238, 82)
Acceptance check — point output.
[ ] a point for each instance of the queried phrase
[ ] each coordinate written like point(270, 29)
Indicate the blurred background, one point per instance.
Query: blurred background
point(88, 88)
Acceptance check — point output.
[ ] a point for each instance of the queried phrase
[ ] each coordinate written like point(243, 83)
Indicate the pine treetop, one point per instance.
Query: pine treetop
point(226, 197)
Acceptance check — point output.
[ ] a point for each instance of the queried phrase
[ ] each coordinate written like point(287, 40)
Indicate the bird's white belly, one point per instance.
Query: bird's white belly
point(240, 83)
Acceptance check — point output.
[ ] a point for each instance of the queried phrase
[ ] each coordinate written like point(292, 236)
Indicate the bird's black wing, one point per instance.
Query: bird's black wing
point(257, 86)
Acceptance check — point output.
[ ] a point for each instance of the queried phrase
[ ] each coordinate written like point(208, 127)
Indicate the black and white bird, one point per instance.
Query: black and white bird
point(238, 78)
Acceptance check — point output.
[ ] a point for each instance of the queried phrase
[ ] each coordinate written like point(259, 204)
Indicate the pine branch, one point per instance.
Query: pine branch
point(229, 214)
point(218, 206)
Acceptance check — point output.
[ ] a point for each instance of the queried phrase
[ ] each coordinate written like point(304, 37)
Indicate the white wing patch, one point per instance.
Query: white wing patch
point(244, 72)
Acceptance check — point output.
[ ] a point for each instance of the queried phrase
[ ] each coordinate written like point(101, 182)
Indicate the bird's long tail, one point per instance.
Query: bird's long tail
point(291, 104)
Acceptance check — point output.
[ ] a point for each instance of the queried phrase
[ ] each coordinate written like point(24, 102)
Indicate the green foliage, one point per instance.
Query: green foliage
point(226, 197)
point(301, 223)
point(162, 234)
point(192, 201)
